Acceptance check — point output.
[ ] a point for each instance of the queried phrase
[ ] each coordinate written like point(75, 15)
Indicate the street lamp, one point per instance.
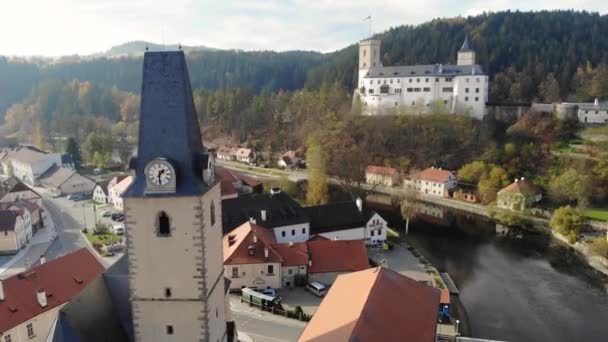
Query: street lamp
point(457, 324)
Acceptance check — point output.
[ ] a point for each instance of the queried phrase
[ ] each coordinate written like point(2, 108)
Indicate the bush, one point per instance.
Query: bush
point(599, 247)
point(101, 229)
point(567, 221)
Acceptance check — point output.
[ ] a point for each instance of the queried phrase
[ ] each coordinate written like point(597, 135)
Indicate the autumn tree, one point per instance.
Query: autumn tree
point(408, 207)
point(570, 186)
point(318, 190)
point(567, 221)
point(491, 183)
point(549, 89)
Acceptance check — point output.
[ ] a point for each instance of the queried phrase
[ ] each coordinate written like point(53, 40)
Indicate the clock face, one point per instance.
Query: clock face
point(160, 174)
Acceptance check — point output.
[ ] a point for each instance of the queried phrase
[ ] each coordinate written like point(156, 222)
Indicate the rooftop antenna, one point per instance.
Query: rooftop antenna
point(179, 46)
point(369, 19)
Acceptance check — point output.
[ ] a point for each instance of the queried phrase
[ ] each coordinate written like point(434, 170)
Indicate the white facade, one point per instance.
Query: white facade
point(254, 275)
point(373, 232)
point(11, 241)
point(294, 233)
point(36, 329)
point(593, 114)
point(99, 195)
point(458, 89)
point(29, 171)
point(289, 274)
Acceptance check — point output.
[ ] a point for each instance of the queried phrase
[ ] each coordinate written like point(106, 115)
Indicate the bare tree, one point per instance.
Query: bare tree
point(408, 206)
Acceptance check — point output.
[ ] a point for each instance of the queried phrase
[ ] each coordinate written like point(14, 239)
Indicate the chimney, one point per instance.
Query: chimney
point(263, 215)
point(310, 263)
point(252, 220)
point(255, 238)
point(290, 243)
point(42, 259)
point(266, 252)
point(359, 203)
point(1, 291)
point(596, 102)
point(522, 178)
point(41, 294)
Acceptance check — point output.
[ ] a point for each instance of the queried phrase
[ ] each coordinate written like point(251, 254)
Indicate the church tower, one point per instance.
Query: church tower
point(369, 54)
point(466, 55)
point(173, 215)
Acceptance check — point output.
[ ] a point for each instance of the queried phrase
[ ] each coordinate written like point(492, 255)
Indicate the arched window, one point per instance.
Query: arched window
point(164, 229)
point(212, 213)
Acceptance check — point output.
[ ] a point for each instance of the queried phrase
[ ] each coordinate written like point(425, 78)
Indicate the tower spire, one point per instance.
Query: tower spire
point(466, 46)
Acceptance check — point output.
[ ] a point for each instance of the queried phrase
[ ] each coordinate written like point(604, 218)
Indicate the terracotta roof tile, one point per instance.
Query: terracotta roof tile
point(524, 186)
point(358, 304)
point(237, 244)
point(337, 256)
point(435, 175)
point(61, 279)
point(293, 255)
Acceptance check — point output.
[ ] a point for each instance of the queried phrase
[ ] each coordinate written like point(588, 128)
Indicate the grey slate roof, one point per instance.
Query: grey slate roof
point(466, 46)
point(281, 210)
point(55, 176)
point(592, 106)
point(445, 70)
point(7, 220)
point(13, 185)
point(337, 216)
point(168, 125)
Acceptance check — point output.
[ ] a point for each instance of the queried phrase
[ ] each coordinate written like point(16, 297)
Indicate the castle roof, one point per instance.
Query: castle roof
point(466, 46)
point(441, 70)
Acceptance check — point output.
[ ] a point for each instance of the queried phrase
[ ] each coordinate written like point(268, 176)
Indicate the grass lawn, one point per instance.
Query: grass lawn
point(597, 214)
point(102, 239)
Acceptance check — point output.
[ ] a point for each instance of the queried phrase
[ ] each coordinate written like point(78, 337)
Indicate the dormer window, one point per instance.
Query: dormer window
point(164, 228)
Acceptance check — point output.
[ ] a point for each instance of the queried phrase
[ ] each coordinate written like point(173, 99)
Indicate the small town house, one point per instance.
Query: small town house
point(519, 195)
point(381, 175)
point(433, 181)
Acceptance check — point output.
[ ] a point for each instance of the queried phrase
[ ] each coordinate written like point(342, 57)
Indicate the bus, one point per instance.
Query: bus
point(259, 299)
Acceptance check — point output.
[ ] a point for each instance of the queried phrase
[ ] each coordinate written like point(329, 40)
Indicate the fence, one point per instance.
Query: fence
point(295, 313)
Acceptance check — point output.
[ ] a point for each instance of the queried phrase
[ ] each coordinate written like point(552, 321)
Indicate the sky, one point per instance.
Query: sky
point(65, 27)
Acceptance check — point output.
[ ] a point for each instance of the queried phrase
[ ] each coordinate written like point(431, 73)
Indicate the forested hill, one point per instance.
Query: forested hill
point(212, 69)
point(520, 48)
point(529, 55)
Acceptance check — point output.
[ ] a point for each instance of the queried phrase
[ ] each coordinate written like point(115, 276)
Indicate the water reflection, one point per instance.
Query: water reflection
point(515, 283)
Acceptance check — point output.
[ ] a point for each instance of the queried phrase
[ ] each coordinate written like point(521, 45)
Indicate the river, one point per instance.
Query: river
point(515, 285)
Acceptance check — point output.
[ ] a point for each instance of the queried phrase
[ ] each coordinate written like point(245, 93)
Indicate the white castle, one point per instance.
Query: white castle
point(459, 89)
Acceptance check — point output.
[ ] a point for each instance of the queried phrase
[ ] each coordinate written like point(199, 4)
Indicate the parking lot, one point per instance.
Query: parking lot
point(299, 296)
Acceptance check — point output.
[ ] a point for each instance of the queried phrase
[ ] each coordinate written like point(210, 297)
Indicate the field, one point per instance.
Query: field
point(597, 214)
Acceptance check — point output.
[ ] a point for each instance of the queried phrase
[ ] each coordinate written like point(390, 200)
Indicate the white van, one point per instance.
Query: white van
point(317, 288)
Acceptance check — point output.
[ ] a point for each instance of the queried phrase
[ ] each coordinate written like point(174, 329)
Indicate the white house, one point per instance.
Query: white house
point(29, 163)
point(593, 113)
point(244, 155)
point(30, 301)
point(100, 192)
point(460, 88)
point(226, 153)
point(381, 175)
point(347, 221)
point(433, 181)
point(117, 190)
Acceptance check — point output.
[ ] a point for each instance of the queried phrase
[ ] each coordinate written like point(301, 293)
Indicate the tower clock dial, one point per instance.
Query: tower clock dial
point(160, 174)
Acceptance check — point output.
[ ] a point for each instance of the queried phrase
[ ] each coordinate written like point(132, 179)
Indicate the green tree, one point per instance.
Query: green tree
point(72, 149)
point(318, 190)
point(471, 173)
point(570, 186)
point(599, 247)
point(491, 183)
point(567, 221)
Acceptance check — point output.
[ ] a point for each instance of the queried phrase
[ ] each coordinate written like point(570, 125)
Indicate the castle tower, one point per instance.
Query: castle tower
point(466, 55)
point(369, 54)
point(173, 215)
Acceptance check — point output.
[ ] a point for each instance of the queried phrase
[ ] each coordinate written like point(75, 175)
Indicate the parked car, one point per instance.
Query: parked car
point(116, 216)
point(118, 229)
point(269, 291)
point(75, 197)
point(97, 171)
point(105, 213)
point(317, 288)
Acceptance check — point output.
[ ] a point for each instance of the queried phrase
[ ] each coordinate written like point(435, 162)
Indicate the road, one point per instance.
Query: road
point(260, 326)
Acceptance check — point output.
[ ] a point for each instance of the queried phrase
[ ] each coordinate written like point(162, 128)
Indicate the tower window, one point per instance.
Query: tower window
point(163, 224)
point(168, 292)
point(169, 330)
point(212, 213)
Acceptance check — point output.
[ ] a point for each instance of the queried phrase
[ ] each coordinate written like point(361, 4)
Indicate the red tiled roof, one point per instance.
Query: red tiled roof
point(358, 304)
point(62, 279)
point(434, 175)
point(317, 237)
point(294, 255)
point(237, 243)
point(337, 256)
point(381, 170)
point(524, 186)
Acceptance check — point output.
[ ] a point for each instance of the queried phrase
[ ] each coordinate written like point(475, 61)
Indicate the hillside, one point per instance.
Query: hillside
point(529, 55)
point(138, 47)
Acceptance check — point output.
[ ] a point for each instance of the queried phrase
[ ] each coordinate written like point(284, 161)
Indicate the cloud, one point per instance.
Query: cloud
point(86, 26)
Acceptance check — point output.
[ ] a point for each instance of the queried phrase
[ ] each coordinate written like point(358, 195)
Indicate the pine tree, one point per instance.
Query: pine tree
point(72, 149)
